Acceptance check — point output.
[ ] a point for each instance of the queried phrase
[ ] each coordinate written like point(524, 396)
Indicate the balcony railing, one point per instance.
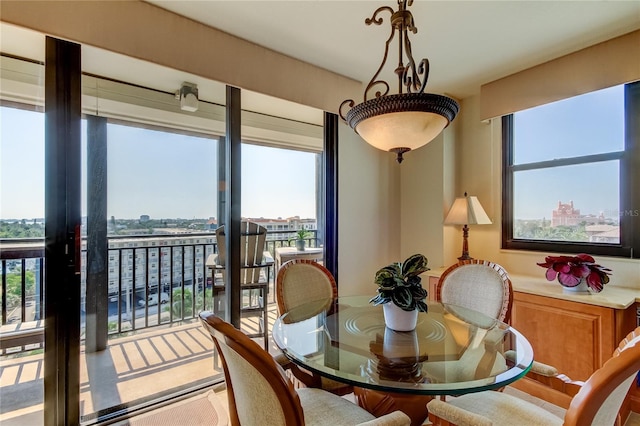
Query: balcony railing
point(153, 280)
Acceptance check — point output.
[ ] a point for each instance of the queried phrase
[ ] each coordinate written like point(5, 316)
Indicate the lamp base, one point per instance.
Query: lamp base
point(465, 244)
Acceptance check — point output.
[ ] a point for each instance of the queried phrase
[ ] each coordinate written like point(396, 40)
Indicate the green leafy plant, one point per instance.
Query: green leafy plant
point(301, 234)
point(400, 283)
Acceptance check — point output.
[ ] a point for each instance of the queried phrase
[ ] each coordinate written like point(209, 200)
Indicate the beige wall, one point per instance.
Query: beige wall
point(422, 175)
point(369, 212)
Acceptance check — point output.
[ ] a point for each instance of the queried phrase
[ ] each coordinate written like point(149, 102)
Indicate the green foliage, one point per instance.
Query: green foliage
point(21, 230)
point(14, 290)
point(182, 309)
point(400, 283)
point(542, 230)
point(301, 234)
point(189, 312)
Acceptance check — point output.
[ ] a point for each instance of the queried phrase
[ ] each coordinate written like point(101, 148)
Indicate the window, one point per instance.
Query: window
point(570, 172)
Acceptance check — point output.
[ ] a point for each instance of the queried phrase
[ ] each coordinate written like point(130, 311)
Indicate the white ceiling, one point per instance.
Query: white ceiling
point(468, 43)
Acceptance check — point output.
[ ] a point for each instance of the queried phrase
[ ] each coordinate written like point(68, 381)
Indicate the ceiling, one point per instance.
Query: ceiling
point(468, 43)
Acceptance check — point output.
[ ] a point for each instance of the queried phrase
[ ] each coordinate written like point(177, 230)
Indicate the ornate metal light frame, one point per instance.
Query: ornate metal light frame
point(404, 121)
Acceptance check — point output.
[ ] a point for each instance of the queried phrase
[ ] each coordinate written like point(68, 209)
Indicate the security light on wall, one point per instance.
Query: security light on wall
point(466, 211)
point(188, 95)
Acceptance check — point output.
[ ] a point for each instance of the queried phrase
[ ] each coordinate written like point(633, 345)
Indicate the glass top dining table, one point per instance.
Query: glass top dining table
point(452, 351)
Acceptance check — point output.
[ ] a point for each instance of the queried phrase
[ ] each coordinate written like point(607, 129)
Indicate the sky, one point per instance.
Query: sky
point(163, 175)
point(167, 175)
point(591, 124)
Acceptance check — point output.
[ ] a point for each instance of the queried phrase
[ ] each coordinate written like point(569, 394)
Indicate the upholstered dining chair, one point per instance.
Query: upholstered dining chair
point(260, 393)
point(480, 285)
point(302, 281)
point(598, 401)
point(484, 287)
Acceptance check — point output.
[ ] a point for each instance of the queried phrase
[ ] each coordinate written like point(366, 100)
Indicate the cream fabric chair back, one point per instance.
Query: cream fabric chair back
point(258, 390)
point(301, 281)
point(260, 394)
point(479, 285)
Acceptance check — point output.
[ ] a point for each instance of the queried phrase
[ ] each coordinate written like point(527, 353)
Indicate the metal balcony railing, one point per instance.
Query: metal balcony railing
point(153, 280)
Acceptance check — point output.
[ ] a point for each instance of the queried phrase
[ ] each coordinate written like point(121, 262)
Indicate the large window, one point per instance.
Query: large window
point(571, 174)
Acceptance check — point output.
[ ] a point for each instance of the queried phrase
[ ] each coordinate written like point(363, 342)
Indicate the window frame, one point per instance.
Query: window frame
point(629, 166)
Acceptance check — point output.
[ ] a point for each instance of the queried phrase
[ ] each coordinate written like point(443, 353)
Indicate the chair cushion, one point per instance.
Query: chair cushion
point(324, 408)
point(505, 410)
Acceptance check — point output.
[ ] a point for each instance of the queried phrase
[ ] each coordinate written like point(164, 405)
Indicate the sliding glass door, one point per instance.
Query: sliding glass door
point(135, 197)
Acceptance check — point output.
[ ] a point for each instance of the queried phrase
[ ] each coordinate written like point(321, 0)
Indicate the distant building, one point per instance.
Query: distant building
point(285, 225)
point(567, 215)
point(603, 234)
point(273, 225)
point(144, 218)
point(211, 224)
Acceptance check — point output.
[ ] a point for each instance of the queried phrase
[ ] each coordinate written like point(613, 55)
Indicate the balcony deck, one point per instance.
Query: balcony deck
point(132, 369)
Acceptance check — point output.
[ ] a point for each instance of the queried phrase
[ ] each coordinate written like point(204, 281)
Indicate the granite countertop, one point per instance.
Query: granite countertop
point(611, 296)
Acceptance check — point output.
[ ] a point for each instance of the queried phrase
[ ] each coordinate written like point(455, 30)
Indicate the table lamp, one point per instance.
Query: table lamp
point(466, 211)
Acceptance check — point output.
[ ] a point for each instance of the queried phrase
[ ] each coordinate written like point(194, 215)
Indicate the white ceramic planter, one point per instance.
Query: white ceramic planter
point(580, 288)
point(398, 319)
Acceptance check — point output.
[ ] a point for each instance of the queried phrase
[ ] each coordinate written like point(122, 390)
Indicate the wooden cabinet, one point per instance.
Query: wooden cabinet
point(431, 291)
point(576, 338)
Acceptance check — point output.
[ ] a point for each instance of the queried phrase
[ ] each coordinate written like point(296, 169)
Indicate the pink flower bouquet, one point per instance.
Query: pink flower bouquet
point(571, 270)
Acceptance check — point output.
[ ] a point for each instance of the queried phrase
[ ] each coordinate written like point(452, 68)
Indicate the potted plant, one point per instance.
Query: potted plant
point(400, 292)
point(300, 236)
point(576, 273)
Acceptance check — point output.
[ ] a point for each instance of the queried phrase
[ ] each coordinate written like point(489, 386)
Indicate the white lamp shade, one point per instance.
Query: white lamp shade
point(407, 129)
point(467, 211)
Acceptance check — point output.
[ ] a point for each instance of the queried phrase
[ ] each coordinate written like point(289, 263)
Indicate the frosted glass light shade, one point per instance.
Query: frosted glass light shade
point(402, 122)
point(409, 129)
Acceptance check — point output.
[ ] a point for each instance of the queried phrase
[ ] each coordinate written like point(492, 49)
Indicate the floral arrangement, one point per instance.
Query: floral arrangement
point(571, 270)
point(399, 283)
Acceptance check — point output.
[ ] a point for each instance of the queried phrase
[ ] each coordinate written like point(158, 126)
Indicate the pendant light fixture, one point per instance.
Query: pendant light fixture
point(407, 120)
